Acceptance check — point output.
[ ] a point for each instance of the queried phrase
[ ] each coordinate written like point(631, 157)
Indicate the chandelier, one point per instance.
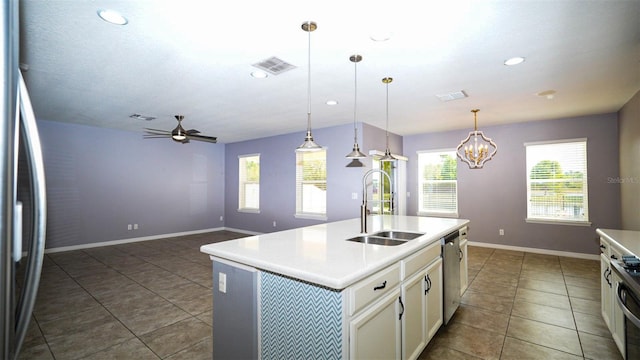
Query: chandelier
point(476, 149)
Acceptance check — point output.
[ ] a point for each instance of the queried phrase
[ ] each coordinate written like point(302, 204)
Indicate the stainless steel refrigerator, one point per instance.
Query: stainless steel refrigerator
point(21, 154)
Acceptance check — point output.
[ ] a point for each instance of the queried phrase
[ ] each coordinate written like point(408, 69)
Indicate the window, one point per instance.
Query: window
point(437, 182)
point(311, 184)
point(249, 182)
point(557, 181)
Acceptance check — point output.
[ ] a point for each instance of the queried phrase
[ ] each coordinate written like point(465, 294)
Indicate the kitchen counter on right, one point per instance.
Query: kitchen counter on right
point(628, 240)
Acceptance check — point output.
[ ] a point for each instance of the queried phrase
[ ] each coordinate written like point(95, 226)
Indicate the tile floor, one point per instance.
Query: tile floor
point(152, 300)
point(526, 306)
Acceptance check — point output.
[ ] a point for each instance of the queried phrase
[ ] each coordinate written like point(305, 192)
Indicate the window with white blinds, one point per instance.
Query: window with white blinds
point(557, 181)
point(311, 184)
point(437, 183)
point(249, 182)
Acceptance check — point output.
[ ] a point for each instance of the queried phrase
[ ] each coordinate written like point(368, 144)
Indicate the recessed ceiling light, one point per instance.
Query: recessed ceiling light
point(332, 102)
point(258, 74)
point(514, 61)
point(380, 36)
point(549, 94)
point(112, 17)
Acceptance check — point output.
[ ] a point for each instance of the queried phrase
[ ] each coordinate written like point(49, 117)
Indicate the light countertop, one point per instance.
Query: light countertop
point(627, 239)
point(321, 255)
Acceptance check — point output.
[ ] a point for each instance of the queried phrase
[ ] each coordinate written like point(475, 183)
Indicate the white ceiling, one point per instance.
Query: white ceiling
point(194, 58)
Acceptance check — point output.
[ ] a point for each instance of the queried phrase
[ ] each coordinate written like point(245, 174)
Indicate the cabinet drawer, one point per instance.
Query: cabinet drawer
point(420, 259)
point(371, 288)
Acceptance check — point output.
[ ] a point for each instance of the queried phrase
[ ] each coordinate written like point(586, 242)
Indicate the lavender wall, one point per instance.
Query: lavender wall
point(100, 180)
point(630, 163)
point(277, 176)
point(494, 197)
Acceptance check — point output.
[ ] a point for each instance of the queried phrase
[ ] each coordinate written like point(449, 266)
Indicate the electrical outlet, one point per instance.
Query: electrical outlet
point(274, 223)
point(221, 217)
point(135, 226)
point(501, 232)
point(129, 227)
point(408, 194)
point(354, 196)
point(222, 282)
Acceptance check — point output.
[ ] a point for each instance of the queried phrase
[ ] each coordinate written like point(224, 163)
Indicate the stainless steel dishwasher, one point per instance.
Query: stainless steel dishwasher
point(451, 274)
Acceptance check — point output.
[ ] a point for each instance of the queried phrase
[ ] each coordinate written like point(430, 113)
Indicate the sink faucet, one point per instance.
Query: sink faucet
point(363, 207)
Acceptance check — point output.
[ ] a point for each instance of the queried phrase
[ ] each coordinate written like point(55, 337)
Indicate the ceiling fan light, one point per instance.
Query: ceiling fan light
point(179, 134)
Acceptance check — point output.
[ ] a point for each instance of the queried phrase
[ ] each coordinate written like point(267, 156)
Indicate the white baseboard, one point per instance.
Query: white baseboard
point(125, 241)
point(243, 231)
point(536, 250)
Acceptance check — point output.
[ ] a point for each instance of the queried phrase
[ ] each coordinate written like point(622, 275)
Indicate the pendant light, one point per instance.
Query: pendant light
point(387, 152)
point(476, 154)
point(309, 144)
point(356, 153)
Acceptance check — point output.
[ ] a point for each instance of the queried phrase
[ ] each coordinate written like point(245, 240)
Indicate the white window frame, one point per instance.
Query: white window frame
point(245, 198)
point(422, 159)
point(304, 194)
point(564, 214)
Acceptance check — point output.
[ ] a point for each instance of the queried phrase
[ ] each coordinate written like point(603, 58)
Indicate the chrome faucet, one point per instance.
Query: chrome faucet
point(363, 207)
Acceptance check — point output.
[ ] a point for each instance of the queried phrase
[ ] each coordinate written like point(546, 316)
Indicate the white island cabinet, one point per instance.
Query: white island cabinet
point(309, 293)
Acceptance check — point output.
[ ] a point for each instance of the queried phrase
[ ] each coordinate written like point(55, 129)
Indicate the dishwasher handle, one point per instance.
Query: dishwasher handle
point(623, 293)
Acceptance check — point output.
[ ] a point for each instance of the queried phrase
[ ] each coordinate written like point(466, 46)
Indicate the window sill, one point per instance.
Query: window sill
point(250, 211)
point(435, 214)
point(558, 222)
point(311, 216)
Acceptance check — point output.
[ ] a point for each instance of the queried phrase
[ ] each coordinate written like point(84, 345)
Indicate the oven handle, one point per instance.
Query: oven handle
point(621, 299)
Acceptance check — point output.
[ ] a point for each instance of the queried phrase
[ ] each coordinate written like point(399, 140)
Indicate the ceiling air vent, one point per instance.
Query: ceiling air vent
point(142, 117)
point(274, 66)
point(452, 96)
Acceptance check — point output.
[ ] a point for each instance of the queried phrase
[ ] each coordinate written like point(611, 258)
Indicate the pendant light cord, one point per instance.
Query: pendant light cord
point(355, 102)
point(309, 81)
point(387, 127)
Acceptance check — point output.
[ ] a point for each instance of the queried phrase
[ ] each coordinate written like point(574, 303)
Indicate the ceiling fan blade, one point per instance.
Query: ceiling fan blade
point(156, 131)
point(192, 132)
point(155, 136)
point(211, 139)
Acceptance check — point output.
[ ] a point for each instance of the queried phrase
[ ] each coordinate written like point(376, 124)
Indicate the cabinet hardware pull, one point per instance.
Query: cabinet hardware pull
point(602, 246)
point(402, 305)
point(380, 287)
point(460, 254)
point(608, 276)
point(614, 257)
point(428, 281)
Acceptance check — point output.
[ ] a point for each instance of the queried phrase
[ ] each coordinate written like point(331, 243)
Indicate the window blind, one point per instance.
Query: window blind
point(438, 182)
point(557, 181)
point(311, 182)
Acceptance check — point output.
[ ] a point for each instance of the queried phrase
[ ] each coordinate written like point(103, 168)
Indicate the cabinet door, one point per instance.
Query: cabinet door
point(464, 274)
point(617, 316)
point(433, 293)
point(375, 333)
point(606, 291)
point(414, 326)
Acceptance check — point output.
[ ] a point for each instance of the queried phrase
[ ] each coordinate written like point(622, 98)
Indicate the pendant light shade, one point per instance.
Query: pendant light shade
point(309, 144)
point(355, 153)
point(387, 152)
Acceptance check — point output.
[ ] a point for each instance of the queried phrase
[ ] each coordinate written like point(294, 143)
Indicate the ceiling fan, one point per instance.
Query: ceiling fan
point(179, 134)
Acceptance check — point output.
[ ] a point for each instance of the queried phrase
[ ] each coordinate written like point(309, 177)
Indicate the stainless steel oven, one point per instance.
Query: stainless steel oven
point(628, 300)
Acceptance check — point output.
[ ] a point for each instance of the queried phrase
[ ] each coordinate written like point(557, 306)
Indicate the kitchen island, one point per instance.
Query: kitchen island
point(310, 293)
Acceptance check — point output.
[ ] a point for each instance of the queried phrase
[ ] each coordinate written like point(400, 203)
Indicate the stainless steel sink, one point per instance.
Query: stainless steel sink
point(398, 235)
point(377, 240)
point(387, 238)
